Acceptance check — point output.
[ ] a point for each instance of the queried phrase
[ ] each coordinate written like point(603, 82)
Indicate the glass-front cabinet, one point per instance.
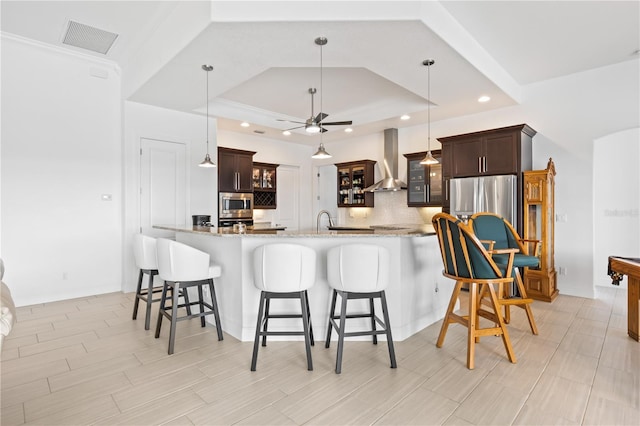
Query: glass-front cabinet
point(353, 178)
point(264, 185)
point(540, 282)
point(424, 182)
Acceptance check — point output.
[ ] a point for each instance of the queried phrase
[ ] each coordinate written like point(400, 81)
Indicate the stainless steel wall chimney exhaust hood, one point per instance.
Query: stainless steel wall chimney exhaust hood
point(390, 181)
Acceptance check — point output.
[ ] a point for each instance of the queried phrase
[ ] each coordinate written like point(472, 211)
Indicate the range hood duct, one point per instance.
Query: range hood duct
point(390, 181)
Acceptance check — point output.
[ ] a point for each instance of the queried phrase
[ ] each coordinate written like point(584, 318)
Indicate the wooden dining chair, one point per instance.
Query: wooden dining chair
point(497, 233)
point(467, 262)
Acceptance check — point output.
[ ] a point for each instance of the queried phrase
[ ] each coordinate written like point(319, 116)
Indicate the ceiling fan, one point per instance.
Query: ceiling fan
point(315, 124)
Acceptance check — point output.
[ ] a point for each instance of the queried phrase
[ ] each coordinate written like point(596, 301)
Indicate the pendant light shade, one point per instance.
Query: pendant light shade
point(321, 153)
point(207, 159)
point(207, 162)
point(428, 159)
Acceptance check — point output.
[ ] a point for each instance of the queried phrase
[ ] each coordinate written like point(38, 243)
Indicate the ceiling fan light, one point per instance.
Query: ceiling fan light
point(312, 128)
point(429, 160)
point(321, 153)
point(207, 162)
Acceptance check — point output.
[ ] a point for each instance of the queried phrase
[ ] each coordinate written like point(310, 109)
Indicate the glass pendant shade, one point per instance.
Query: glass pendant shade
point(321, 153)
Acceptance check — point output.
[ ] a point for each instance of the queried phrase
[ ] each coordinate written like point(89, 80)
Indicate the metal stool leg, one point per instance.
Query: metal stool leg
point(147, 317)
point(163, 298)
point(201, 304)
point(265, 322)
point(385, 313)
point(306, 296)
point(256, 340)
point(216, 312)
point(305, 326)
point(175, 293)
point(372, 310)
point(332, 314)
point(187, 304)
point(340, 330)
point(137, 301)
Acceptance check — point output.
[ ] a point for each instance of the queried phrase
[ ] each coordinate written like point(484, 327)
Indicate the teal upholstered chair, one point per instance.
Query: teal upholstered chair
point(497, 233)
point(468, 263)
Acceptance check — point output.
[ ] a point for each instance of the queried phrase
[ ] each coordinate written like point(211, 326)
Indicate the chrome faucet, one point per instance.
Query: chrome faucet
point(318, 219)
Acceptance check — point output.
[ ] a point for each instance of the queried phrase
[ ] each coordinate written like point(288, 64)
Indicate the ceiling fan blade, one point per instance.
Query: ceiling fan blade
point(293, 128)
point(321, 116)
point(322, 129)
point(338, 123)
point(289, 121)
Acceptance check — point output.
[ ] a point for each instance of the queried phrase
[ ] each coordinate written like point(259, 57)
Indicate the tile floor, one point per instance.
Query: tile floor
point(85, 362)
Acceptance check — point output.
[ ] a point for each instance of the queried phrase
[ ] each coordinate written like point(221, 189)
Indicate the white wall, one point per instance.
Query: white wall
point(61, 151)
point(616, 200)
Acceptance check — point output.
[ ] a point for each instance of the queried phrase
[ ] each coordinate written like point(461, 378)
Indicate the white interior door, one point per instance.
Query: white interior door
point(163, 185)
point(288, 197)
point(327, 195)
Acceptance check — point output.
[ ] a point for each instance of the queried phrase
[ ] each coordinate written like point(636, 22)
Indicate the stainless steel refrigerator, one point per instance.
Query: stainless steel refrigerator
point(496, 194)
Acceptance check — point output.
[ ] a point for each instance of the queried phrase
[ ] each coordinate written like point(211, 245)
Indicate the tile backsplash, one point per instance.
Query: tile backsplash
point(390, 208)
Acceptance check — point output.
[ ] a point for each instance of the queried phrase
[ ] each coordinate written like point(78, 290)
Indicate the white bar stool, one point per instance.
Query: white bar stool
point(283, 271)
point(182, 267)
point(358, 271)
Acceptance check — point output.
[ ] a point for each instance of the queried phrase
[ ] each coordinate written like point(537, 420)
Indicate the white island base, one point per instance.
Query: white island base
point(417, 295)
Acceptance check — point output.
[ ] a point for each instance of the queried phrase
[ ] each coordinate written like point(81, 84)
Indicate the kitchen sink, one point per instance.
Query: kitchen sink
point(350, 228)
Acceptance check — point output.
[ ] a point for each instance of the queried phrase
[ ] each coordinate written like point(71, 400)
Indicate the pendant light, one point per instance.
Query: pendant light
point(321, 153)
point(207, 160)
point(428, 159)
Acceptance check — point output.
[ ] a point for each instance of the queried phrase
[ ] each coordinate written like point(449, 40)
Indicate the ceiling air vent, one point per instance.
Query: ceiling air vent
point(90, 38)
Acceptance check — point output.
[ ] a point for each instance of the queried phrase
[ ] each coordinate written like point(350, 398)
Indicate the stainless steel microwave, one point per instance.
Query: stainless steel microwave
point(234, 205)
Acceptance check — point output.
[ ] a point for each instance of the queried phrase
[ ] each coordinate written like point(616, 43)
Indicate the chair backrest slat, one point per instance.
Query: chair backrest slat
point(463, 254)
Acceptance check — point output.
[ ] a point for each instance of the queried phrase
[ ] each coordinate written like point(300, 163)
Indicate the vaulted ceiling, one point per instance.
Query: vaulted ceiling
point(265, 59)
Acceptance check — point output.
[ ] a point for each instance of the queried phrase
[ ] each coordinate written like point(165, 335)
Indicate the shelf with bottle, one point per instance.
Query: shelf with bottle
point(353, 178)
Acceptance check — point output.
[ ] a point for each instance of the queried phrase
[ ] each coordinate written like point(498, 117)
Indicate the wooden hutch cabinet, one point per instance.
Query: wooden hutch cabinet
point(264, 185)
point(539, 188)
point(424, 182)
point(353, 177)
point(502, 151)
point(235, 170)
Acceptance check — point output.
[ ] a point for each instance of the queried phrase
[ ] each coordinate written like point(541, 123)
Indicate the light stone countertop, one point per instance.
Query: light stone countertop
point(409, 230)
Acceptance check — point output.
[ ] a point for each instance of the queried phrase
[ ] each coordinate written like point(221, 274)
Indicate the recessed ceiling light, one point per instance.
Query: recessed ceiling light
point(348, 130)
point(244, 124)
point(405, 117)
point(286, 133)
point(484, 99)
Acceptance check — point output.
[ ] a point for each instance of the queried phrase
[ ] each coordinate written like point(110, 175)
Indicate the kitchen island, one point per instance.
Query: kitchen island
point(417, 295)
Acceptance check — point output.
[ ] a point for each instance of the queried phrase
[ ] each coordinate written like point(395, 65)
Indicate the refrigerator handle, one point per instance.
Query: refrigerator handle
point(484, 164)
point(479, 164)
